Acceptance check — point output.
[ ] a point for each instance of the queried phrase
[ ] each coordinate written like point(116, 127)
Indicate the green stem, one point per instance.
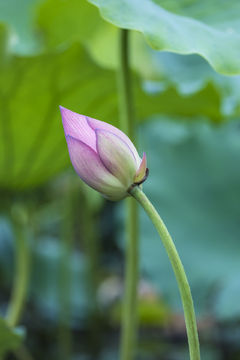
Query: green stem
point(21, 279)
point(125, 88)
point(183, 285)
point(88, 216)
point(129, 314)
point(67, 243)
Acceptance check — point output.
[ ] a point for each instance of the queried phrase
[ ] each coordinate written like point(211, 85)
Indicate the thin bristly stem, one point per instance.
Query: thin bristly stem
point(178, 269)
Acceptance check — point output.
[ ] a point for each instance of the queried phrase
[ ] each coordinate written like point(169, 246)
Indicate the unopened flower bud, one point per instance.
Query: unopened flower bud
point(102, 155)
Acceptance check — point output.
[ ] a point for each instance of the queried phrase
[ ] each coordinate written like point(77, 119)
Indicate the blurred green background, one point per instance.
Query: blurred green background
point(67, 238)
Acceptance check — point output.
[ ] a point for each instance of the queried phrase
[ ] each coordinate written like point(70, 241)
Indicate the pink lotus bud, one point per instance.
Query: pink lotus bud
point(102, 155)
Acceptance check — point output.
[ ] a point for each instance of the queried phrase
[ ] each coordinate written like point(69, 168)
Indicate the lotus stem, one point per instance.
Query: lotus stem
point(21, 278)
point(178, 269)
point(129, 312)
point(127, 124)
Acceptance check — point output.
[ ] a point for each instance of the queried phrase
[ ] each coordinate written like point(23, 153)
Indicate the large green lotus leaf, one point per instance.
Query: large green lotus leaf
point(10, 339)
point(32, 144)
point(56, 22)
point(206, 102)
point(214, 37)
point(45, 24)
point(61, 22)
point(189, 75)
point(64, 22)
point(74, 20)
point(194, 183)
point(68, 21)
point(218, 13)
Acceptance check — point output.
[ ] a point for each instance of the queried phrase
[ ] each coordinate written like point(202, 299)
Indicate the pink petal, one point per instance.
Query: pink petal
point(97, 124)
point(77, 126)
point(91, 170)
point(116, 156)
point(142, 169)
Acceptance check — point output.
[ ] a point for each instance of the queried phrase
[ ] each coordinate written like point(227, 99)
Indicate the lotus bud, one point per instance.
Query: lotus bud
point(102, 155)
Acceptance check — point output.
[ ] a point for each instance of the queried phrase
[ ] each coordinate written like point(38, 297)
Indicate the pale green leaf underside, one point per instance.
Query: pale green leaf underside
point(167, 31)
point(189, 75)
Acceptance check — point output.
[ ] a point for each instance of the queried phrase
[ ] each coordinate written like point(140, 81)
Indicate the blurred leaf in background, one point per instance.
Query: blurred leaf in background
point(56, 52)
point(191, 75)
point(208, 29)
point(19, 17)
point(194, 183)
point(33, 86)
point(46, 281)
point(10, 338)
point(32, 146)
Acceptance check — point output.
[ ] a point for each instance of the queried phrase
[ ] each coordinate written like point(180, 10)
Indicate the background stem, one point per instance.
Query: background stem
point(178, 270)
point(67, 248)
point(21, 278)
point(88, 213)
point(129, 313)
point(125, 88)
